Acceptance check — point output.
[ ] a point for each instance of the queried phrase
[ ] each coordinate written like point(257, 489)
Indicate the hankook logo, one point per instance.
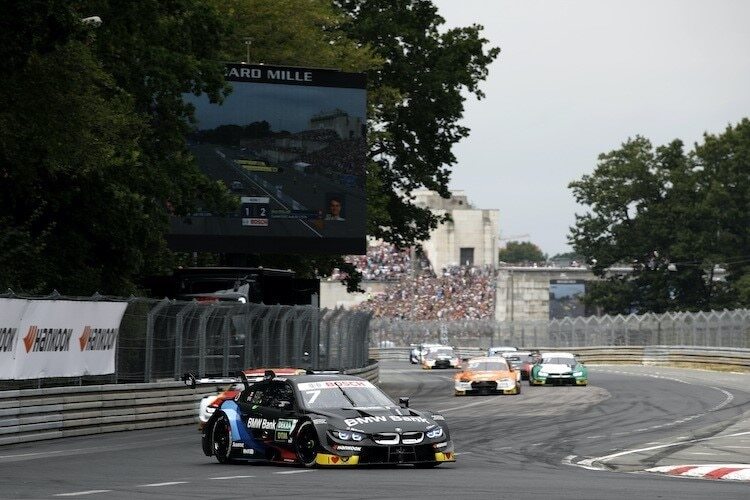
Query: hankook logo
point(7, 339)
point(47, 339)
point(97, 339)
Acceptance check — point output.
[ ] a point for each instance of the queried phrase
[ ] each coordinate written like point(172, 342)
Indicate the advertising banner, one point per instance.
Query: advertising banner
point(11, 311)
point(61, 338)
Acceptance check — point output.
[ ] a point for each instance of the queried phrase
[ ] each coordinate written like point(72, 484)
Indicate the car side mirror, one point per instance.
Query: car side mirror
point(284, 405)
point(403, 402)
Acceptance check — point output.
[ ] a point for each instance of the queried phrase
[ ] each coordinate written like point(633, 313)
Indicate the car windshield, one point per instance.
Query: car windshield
point(443, 351)
point(342, 394)
point(559, 361)
point(487, 366)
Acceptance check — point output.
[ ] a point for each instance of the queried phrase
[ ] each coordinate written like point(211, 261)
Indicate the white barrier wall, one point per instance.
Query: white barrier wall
point(58, 338)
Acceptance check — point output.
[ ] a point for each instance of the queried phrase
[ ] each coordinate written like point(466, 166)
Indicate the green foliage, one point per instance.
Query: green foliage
point(673, 216)
point(92, 132)
point(416, 101)
point(521, 252)
point(93, 158)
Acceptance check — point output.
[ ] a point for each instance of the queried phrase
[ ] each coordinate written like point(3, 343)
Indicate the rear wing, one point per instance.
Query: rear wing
point(191, 381)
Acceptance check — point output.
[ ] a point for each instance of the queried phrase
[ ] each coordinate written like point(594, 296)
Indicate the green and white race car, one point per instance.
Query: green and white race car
point(558, 368)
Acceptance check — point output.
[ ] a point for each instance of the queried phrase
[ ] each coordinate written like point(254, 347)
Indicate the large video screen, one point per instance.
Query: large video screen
point(566, 298)
point(290, 145)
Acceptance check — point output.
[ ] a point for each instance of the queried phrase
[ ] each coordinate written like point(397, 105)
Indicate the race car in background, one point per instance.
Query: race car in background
point(209, 404)
point(499, 350)
point(527, 362)
point(324, 420)
point(515, 358)
point(490, 375)
point(418, 351)
point(558, 368)
point(441, 357)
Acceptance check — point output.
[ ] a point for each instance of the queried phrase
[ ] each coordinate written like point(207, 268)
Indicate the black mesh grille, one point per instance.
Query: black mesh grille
point(398, 454)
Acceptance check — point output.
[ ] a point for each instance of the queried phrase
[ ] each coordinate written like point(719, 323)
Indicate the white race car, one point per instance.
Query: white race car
point(418, 351)
point(441, 357)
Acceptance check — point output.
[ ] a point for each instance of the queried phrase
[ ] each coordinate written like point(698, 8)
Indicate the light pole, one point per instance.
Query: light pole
point(248, 43)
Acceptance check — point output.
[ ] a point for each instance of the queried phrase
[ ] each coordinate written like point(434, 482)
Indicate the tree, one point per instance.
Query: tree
point(516, 252)
point(672, 216)
point(88, 203)
point(417, 97)
point(92, 128)
point(417, 77)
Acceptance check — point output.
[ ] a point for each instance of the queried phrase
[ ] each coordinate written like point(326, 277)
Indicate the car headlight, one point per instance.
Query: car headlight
point(435, 433)
point(349, 435)
point(578, 374)
point(542, 374)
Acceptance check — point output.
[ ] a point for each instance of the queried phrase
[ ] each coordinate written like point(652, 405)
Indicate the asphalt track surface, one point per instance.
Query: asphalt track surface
point(548, 442)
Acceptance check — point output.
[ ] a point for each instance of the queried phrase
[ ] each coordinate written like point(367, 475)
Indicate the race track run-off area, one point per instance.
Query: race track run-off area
point(634, 432)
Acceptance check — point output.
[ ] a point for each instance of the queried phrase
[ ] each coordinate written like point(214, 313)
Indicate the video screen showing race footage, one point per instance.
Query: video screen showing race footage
point(290, 145)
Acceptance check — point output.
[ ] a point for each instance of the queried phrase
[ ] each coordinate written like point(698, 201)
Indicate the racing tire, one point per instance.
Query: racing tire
point(426, 465)
point(518, 389)
point(221, 441)
point(307, 444)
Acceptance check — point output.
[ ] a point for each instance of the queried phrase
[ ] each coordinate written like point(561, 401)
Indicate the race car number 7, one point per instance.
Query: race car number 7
point(313, 396)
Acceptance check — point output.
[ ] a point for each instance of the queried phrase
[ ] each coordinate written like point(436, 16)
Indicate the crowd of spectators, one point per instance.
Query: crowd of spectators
point(385, 262)
point(415, 292)
point(459, 292)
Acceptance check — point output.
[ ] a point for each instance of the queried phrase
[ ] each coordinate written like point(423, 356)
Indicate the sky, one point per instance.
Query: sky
point(577, 78)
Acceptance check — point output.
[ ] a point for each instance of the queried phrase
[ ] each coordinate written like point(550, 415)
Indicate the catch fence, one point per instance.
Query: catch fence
point(713, 328)
point(164, 339)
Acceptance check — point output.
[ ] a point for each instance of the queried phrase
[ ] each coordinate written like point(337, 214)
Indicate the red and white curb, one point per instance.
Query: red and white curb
point(736, 472)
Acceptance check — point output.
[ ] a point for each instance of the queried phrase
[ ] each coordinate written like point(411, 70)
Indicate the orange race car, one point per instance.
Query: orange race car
point(492, 375)
point(209, 403)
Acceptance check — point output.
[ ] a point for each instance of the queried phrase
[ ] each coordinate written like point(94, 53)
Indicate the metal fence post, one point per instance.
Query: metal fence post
point(202, 321)
point(148, 356)
point(179, 328)
point(315, 333)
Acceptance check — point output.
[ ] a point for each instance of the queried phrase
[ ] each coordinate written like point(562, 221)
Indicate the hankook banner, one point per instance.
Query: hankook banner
point(11, 311)
point(59, 338)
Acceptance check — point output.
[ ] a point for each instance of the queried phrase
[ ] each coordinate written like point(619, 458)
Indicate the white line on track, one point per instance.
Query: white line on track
point(293, 472)
point(230, 477)
point(589, 461)
point(81, 493)
point(156, 485)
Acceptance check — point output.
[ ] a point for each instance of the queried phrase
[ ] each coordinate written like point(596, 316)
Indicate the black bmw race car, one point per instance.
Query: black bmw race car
point(324, 420)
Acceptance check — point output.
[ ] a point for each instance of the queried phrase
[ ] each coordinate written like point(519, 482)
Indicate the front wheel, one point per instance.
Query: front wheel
point(307, 444)
point(221, 442)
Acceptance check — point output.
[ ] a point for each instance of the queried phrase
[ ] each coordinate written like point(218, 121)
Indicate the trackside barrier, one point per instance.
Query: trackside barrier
point(38, 414)
point(719, 358)
point(370, 372)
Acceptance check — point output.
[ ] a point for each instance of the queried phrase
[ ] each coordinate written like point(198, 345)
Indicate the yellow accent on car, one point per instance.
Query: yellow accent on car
point(448, 456)
point(326, 459)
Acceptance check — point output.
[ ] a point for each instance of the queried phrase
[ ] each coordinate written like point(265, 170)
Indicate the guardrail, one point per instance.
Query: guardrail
point(38, 414)
point(716, 358)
